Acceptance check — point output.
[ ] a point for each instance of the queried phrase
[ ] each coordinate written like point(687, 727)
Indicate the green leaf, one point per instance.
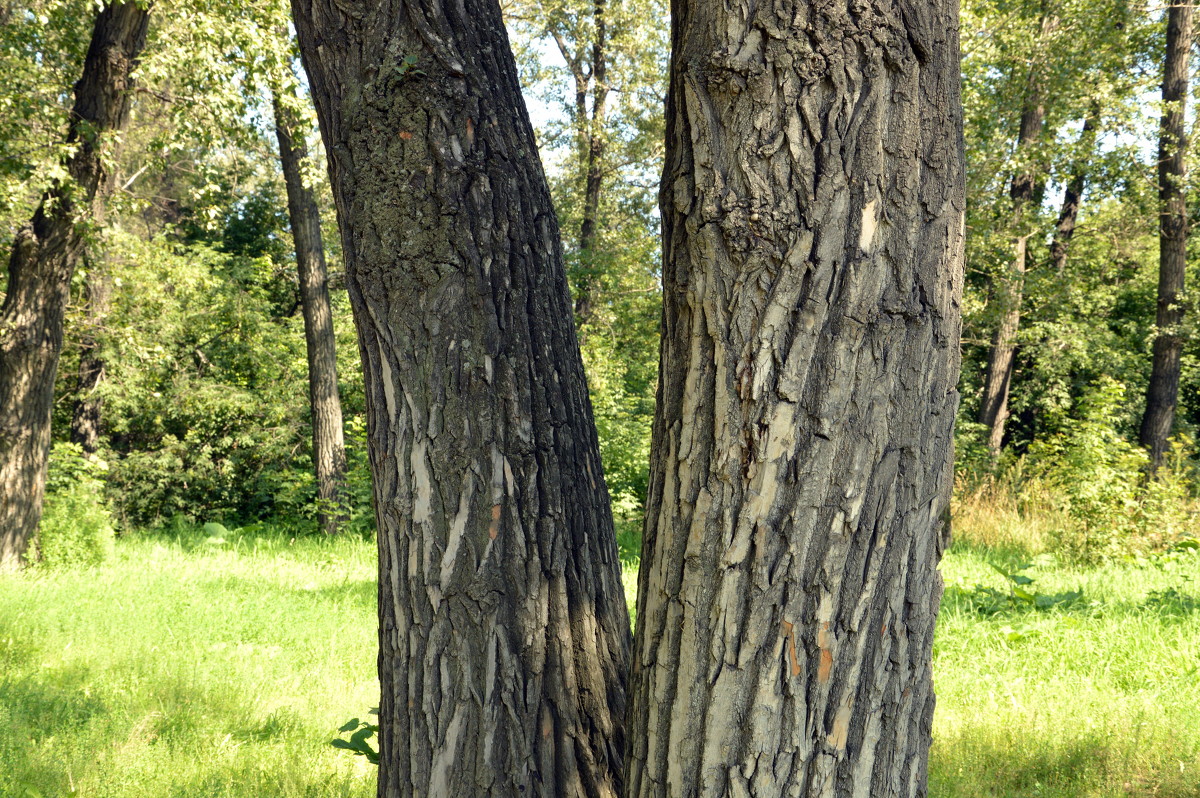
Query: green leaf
point(215, 530)
point(350, 725)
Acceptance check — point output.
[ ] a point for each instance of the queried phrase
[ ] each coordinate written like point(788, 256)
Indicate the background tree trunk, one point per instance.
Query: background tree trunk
point(1068, 215)
point(86, 414)
point(594, 129)
point(503, 630)
point(812, 207)
point(329, 448)
point(1008, 290)
point(39, 274)
point(1162, 394)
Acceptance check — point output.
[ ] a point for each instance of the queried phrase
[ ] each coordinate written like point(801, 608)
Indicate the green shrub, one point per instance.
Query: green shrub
point(77, 524)
point(1100, 481)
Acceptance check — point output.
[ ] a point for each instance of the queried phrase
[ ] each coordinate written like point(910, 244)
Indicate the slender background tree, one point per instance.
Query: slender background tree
point(1162, 394)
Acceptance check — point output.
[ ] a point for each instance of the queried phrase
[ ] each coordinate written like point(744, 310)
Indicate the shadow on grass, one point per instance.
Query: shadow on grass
point(257, 536)
point(979, 766)
point(253, 778)
point(40, 705)
point(998, 763)
point(36, 709)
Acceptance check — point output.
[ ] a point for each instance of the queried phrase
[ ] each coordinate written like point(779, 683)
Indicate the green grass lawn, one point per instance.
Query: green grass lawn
point(196, 667)
point(189, 667)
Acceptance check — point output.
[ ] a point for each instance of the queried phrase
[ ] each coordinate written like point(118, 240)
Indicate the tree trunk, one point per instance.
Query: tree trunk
point(1008, 290)
point(812, 208)
point(39, 274)
point(504, 635)
point(594, 138)
point(1068, 215)
point(1008, 294)
point(1163, 392)
point(329, 448)
point(85, 416)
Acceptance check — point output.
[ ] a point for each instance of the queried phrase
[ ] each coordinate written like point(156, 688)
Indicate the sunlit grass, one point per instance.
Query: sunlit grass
point(196, 667)
point(189, 667)
point(1096, 697)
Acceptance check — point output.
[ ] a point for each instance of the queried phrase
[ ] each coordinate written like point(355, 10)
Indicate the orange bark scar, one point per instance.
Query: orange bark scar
point(826, 665)
point(494, 527)
point(404, 134)
point(825, 644)
point(787, 630)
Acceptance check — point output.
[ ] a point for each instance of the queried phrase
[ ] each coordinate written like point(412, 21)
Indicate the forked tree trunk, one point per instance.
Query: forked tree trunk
point(39, 273)
point(86, 414)
point(1162, 394)
point(812, 207)
point(329, 447)
point(504, 636)
point(1008, 290)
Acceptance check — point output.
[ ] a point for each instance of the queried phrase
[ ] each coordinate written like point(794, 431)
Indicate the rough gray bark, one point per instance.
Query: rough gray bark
point(40, 268)
point(1008, 290)
point(1162, 394)
point(812, 208)
point(504, 635)
point(329, 447)
point(86, 414)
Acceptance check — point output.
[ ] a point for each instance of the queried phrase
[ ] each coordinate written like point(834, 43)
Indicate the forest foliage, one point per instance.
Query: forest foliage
point(205, 413)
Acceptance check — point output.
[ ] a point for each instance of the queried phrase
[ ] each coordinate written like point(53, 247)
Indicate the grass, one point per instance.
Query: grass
point(197, 666)
point(1096, 697)
point(189, 667)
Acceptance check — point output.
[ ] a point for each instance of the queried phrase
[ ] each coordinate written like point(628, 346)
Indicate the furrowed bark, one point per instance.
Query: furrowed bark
point(503, 631)
point(1008, 290)
point(43, 259)
point(1162, 394)
point(329, 448)
point(812, 208)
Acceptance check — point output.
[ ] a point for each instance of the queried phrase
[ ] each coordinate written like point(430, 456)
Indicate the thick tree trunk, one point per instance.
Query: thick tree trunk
point(329, 448)
point(504, 636)
point(812, 207)
point(86, 414)
point(594, 129)
point(1162, 394)
point(39, 274)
